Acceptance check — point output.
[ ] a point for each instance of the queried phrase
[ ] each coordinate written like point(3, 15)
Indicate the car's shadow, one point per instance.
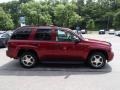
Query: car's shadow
point(13, 68)
point(2, 47)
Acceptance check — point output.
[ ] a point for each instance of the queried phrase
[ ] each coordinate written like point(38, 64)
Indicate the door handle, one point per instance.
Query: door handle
point(61, 47)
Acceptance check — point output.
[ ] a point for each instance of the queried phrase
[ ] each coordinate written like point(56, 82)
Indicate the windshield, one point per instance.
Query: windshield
point(78, 34)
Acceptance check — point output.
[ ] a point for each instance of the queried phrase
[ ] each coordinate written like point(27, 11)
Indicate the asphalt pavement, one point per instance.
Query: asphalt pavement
point(62, 77)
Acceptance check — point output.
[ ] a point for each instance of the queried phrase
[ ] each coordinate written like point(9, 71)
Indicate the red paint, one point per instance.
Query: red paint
point(54, 49)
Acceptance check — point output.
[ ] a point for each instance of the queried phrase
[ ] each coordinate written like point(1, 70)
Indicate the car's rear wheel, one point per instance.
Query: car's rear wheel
point(28, 60)
point(97, 60)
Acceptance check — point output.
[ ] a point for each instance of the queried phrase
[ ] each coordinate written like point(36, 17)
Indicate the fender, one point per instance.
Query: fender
point(98, 49)
point(27, 47)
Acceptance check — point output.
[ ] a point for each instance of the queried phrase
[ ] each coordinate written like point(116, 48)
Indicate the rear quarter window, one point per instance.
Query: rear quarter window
point(21, 34)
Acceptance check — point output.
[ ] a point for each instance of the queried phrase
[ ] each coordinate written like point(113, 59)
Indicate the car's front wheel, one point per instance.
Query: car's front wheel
point(97, 60)
point(28, 60)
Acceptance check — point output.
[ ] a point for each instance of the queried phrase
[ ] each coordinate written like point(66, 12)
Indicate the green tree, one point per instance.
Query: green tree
point(67, 13)
point(116, 20)
point(36, 13)
point(24, 1)
point(80, 6)
point(5, 20)
point(108, 19)
point(13, 9)
point(66, 16)
point(90, 25)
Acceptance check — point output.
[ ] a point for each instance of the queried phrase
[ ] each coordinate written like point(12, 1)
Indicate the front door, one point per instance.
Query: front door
point(67, 46)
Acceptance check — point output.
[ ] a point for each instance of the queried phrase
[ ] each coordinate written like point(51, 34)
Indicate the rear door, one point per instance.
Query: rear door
point(45, 43)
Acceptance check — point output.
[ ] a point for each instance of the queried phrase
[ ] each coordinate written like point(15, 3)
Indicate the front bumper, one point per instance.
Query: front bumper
point(110, 56)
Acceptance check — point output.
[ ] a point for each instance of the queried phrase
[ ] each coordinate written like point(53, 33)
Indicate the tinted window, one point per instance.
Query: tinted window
point(21, 34)
point(43, 34)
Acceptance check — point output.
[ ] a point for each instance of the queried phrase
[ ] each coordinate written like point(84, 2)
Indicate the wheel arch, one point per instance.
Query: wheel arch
point(98, 50)
point(23, 50)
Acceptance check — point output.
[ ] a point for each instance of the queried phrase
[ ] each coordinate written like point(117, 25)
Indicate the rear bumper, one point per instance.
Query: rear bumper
point(8, 54)
point(11, 54)
point(110, 56)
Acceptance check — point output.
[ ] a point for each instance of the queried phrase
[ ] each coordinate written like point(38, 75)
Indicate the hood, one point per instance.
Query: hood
point(98, 42)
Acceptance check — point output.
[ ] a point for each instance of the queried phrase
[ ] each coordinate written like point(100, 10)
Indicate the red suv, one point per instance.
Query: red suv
point(50, 43)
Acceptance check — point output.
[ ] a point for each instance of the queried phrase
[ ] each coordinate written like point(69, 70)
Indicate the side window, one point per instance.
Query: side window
point(21, 34)
point(43, 34)
point(63, 36)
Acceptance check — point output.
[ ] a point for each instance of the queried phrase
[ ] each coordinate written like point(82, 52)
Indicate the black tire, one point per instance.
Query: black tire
point(29, 63)
point(98, 63)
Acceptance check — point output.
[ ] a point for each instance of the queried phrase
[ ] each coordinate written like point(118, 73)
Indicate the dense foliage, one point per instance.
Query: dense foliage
point(88, 14)
point(5, 20)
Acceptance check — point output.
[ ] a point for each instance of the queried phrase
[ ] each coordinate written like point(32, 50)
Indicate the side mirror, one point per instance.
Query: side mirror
point(76, 41)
